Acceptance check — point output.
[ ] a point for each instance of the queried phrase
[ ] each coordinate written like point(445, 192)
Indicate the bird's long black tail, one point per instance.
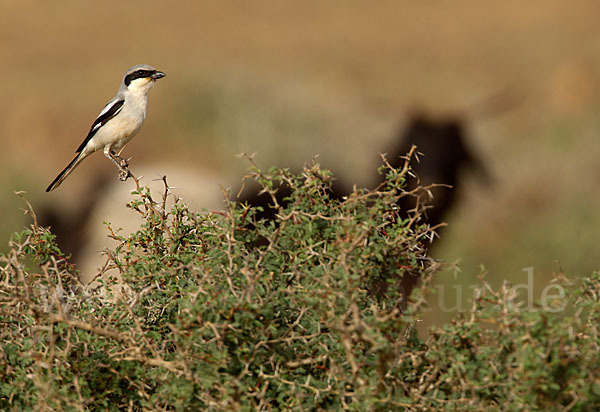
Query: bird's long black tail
point(66, 172)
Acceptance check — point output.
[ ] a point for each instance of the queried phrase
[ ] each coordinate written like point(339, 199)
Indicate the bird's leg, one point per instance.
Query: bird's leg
point(124, 162)
point(124, 174)
point(121, 163)
point(114, 158)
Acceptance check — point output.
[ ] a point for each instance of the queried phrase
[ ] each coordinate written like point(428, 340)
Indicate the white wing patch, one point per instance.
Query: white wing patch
point(109, 105)
point(106, 108)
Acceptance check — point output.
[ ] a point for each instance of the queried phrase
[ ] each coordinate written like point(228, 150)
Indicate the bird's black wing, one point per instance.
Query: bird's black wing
point(111, 109)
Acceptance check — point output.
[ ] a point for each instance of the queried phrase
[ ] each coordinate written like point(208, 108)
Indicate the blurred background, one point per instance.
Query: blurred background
point(338, 79)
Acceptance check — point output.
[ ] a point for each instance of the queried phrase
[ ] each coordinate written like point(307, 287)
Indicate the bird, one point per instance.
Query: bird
point(118, 122)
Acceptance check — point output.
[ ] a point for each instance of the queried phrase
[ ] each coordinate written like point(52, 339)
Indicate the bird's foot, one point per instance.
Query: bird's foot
point(124, 174)
point(121, 162)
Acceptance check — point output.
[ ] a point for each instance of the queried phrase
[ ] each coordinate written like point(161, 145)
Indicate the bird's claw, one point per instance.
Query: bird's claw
point(124, 174)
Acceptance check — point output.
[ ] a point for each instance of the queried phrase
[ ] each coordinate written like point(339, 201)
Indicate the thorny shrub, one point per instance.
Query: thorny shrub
point(218, 311)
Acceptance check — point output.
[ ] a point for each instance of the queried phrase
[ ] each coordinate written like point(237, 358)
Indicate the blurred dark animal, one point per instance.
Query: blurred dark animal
point(444, 153)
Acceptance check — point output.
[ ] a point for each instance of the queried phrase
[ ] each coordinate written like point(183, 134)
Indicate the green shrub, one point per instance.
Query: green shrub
point(216, 311)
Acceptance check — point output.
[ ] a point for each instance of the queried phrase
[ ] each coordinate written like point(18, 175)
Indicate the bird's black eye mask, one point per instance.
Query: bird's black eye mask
point(138, 74)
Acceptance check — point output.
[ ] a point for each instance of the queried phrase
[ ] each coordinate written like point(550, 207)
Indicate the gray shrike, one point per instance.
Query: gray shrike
point(118, 122)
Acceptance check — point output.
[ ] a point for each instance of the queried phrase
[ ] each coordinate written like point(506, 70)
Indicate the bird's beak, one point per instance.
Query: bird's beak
point(158, 75)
